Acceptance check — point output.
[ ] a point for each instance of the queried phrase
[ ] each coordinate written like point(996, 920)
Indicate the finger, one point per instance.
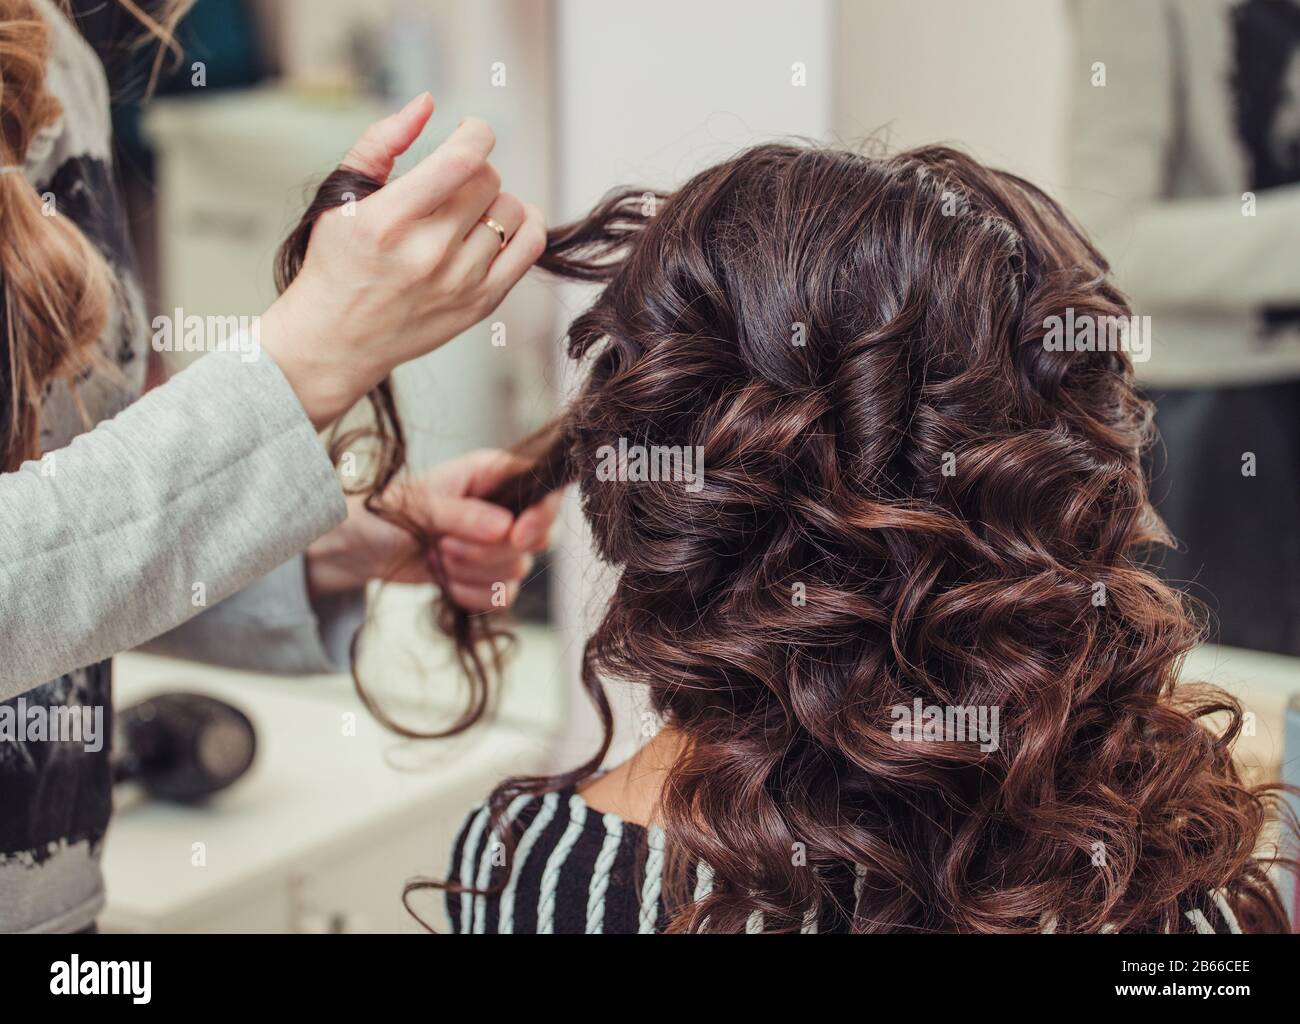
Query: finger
point(452, 221)
point(499, 556)
point(482, 244)
point(470, 519)
point(480, 599)
point(513, 261)
point(473, 551)
point(481, 573)
point(477, 473)
point(436, 178)
point(386, 140)
point(532, 530)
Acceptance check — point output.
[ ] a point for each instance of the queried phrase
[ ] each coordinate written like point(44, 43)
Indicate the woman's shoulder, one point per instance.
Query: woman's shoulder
point(1199, 911)
point(550, 862)
point(632, 789)
point(534, 822)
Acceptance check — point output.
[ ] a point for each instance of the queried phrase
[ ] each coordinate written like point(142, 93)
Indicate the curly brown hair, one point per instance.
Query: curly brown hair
point(909, 496)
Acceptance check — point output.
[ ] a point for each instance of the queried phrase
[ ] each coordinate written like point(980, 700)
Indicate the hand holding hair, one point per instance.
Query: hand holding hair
point(485, 551)
point(393, 275)
point(524, 484)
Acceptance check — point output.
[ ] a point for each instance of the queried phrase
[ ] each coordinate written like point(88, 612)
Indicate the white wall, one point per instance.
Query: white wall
point(989, 74)
point(648, 94)
point(653, 92)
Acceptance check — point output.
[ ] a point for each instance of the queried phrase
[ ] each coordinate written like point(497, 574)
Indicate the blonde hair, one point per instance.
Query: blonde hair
point(54, 284)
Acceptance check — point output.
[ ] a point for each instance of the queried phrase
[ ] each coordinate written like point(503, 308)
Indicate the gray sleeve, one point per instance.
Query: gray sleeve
point(1170, 253)
point(190, 494)
point(272, 625)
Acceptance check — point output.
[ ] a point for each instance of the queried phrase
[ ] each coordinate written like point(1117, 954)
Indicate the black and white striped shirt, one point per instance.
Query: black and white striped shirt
point(575, 870)
point(578, 871)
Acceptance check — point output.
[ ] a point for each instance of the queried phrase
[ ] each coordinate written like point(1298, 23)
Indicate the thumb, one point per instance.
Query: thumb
point(386, 140)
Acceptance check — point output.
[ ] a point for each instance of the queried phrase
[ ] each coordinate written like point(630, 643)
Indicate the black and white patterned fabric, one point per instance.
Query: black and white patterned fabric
point(578, 871)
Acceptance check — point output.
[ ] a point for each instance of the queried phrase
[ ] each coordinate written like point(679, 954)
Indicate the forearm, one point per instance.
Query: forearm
point(1203, 253)
point(196, 490)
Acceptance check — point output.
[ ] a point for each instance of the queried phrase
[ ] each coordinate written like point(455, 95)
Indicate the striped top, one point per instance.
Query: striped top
point(575, 870)
point(578, 871)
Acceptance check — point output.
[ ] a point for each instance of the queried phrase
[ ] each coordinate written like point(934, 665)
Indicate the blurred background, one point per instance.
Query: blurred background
point(1129, 112)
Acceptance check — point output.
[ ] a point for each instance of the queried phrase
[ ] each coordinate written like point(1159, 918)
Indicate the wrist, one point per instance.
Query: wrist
point(326, 373)
point(330, 565)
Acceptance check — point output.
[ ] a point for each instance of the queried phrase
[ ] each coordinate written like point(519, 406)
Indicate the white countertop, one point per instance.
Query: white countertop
point(327, 777)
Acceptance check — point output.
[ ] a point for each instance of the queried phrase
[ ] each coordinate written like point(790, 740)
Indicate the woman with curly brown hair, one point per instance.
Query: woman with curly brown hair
point(907, 494)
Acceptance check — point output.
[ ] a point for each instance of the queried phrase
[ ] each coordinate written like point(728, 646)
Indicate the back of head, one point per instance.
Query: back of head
point(906, 504)
point(857, 345)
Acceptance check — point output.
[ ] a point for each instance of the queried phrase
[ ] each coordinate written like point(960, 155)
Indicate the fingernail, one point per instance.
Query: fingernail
point(415, 102)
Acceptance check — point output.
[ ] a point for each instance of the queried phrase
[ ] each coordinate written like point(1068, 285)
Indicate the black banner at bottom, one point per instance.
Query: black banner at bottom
point(144, 973)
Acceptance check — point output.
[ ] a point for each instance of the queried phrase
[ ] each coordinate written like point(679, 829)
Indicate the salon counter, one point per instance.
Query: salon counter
point(337, 813)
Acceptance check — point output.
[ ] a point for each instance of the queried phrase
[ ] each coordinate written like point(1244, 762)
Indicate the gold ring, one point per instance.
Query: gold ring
point(501, 232)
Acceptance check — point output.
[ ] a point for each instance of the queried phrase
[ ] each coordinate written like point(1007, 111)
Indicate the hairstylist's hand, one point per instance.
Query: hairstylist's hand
point(403, 271)
point(480, 544)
